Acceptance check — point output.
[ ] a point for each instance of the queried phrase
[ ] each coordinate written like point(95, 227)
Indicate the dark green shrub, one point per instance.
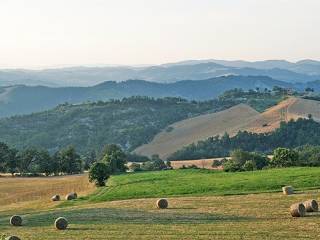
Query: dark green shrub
point(99, 173)
point(284, 157)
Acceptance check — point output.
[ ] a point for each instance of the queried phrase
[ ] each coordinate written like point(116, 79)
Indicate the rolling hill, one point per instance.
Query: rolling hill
point(130, 123)
point(17, 100)
point(195, 129)
point(292, 108)
point(233, 120)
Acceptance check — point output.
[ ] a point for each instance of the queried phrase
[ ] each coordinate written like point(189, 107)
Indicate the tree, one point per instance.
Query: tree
point(89, 159)
point(27, 160)
point(231, 166)
point(249, 165)
point(70, 160)
point(5, 156)
point(284, 157)
point(99, 173)
point(12, 163)
point(115, 157)
point(240, 157)
point(56, 163)
point(45, 162)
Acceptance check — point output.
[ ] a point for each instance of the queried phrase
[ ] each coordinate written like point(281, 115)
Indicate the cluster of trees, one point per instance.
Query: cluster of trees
point(244, 161)
point(304, 156)
point(290, 135)
point(153, 164)
point(37, 161)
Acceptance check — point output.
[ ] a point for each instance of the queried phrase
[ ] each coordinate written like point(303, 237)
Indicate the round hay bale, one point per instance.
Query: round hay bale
point(287, 190)
point(55, 198)
point(162, 203)
point(71, 196)
point(12, 238)
point(311, 205)
point(298, 210)
point(16, 220)
point(61, 223)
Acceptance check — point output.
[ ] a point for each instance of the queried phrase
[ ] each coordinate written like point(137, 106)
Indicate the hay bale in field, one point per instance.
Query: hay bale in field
point(287, 190)
point(12, 238)
point(16, 220)
point(162, 203)
point(61, 223)
point(55, 198)
point(311, 205)
point(71, 196)
point(298, 210)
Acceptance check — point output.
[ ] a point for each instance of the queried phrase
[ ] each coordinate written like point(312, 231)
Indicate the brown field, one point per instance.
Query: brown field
point(15, 191)
point(195, 129)
point(292, 108)
point(232, 120)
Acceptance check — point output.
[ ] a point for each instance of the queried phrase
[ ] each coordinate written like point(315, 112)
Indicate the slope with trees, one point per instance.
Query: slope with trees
point(289, 135)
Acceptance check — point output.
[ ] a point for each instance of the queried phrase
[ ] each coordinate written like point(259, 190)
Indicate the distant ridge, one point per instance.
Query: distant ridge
point(302, 71)
point(22, 99)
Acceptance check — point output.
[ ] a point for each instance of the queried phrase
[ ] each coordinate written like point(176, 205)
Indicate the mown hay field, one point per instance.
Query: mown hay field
point(255, 216)
point(198, 208)
point(15, 191)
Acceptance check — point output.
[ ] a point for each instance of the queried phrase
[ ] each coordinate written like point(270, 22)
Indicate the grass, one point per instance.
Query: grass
point(203, 212)
point(204, 183)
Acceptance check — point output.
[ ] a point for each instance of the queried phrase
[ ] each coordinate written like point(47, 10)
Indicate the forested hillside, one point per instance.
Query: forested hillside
point(130, 122)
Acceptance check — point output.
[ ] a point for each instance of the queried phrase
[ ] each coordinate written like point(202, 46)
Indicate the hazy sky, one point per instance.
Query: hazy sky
point(57, 32)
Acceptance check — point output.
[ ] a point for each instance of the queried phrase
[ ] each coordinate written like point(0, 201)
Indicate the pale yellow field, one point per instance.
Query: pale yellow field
point(17, 191)
point(194, 129)
point(292, 108)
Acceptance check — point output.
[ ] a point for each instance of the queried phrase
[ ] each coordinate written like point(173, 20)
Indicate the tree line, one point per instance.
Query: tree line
point(304, 156)
point(33, 161)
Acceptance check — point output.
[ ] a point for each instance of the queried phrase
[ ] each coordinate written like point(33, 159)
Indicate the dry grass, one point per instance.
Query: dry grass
point(194, 129)
point(238, 118)
point(256, 216)
point(17, 190)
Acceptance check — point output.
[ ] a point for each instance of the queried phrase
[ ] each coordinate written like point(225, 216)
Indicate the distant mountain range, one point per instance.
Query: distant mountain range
point(21, 99)
point(302, 71)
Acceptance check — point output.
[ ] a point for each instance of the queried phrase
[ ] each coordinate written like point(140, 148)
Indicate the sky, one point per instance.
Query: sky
point(44, 33)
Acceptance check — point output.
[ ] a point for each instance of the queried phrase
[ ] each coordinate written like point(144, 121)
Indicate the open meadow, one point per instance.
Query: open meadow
point(203, 204)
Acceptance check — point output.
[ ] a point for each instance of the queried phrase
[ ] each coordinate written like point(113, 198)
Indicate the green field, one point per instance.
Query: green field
point(202, 205)
point(193, 182)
